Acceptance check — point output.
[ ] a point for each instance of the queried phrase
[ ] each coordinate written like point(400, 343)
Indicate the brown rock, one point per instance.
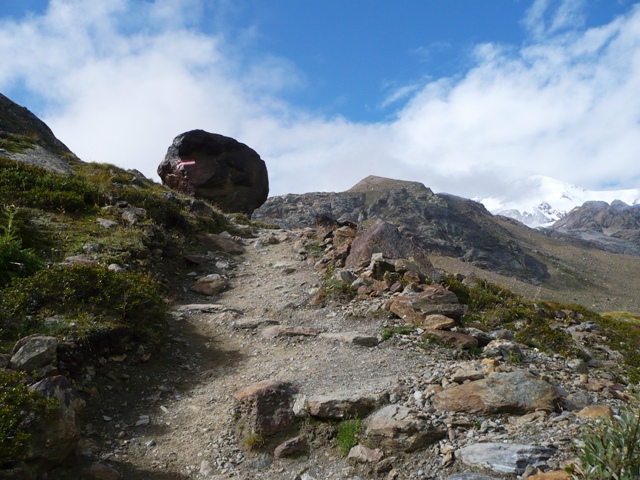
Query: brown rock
point(267, 406)
point(595, 411)
point(325, 226)
point(293, 447)
point(552, 475)
point(439, 322)
point(405, 311)
point(453, 338)
point(218, 168)
point(210, 285)
point(386, 239)
point(101, 471)
point(513, 392)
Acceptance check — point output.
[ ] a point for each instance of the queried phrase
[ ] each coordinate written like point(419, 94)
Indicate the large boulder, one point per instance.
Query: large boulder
point(217, 168)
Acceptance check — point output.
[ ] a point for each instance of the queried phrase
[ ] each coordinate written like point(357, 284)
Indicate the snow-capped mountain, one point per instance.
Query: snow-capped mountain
point(539, 201)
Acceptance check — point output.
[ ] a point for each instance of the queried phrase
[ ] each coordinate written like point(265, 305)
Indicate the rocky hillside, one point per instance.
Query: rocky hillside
point(441, 224)
point(145, 335)
point(611, 227)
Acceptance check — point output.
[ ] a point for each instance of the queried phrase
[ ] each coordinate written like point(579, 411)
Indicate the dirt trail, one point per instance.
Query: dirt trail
point(172, 417)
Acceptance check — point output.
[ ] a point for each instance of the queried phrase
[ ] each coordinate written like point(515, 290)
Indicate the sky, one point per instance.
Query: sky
point(464, 96)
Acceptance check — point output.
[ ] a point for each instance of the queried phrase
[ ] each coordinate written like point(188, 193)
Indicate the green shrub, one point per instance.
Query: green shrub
point(612, 446)
point(14, 260)
point(92, 297)
point(19, 409)
point(28, 186)
point(348, 434)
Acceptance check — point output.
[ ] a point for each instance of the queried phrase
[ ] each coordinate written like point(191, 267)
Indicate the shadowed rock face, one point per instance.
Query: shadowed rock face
point(438, 223)
point(218, 168)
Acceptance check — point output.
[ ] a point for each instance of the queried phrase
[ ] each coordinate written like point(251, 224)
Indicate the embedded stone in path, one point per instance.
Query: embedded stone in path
point(399, 428)
point(505, 458)
point(513, 392)
point(284, 331)
point(344, 404)
point(267, 406)
point(353, 338)
point(210, 285)
point(218, 243)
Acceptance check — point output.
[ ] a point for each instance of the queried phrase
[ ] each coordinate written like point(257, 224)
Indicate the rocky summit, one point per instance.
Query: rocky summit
point(439, 223)
point(217, 168)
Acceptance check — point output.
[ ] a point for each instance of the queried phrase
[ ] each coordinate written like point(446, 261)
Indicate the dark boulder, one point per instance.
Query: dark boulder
point(216, 168)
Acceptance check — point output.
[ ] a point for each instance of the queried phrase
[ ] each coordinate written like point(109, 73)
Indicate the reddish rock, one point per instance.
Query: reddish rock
point(325, 226)
point(362, 454)
point(386, 239)
point(267, 407)
point(292, 448)
point(453, 338)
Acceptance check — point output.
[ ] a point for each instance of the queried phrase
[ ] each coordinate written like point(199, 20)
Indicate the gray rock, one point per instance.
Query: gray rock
point(504, 458)
point(34, 352)
point(108, 224)
point(399, 428)
point(344, 404)
point(353, 338)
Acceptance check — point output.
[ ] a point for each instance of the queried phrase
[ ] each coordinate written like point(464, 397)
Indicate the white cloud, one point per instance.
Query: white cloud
point(122, 78)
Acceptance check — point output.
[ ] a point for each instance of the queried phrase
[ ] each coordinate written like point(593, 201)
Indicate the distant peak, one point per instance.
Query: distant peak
point(375, 183)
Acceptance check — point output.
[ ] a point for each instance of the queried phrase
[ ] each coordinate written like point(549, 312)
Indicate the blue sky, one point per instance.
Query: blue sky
point(465, 96)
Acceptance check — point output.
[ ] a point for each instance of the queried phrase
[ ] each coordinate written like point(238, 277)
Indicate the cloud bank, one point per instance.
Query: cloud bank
point(118, 80)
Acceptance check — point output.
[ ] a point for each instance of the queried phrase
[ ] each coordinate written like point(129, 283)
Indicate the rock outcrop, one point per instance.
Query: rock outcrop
point(614, 228)
point(25, 138)
point(438, 223)
point(217, 168)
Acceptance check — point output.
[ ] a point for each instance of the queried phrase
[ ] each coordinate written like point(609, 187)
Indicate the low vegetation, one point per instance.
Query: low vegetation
point(538, 323)
point(348, 432)
point(611, 446)
point(20, 409)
